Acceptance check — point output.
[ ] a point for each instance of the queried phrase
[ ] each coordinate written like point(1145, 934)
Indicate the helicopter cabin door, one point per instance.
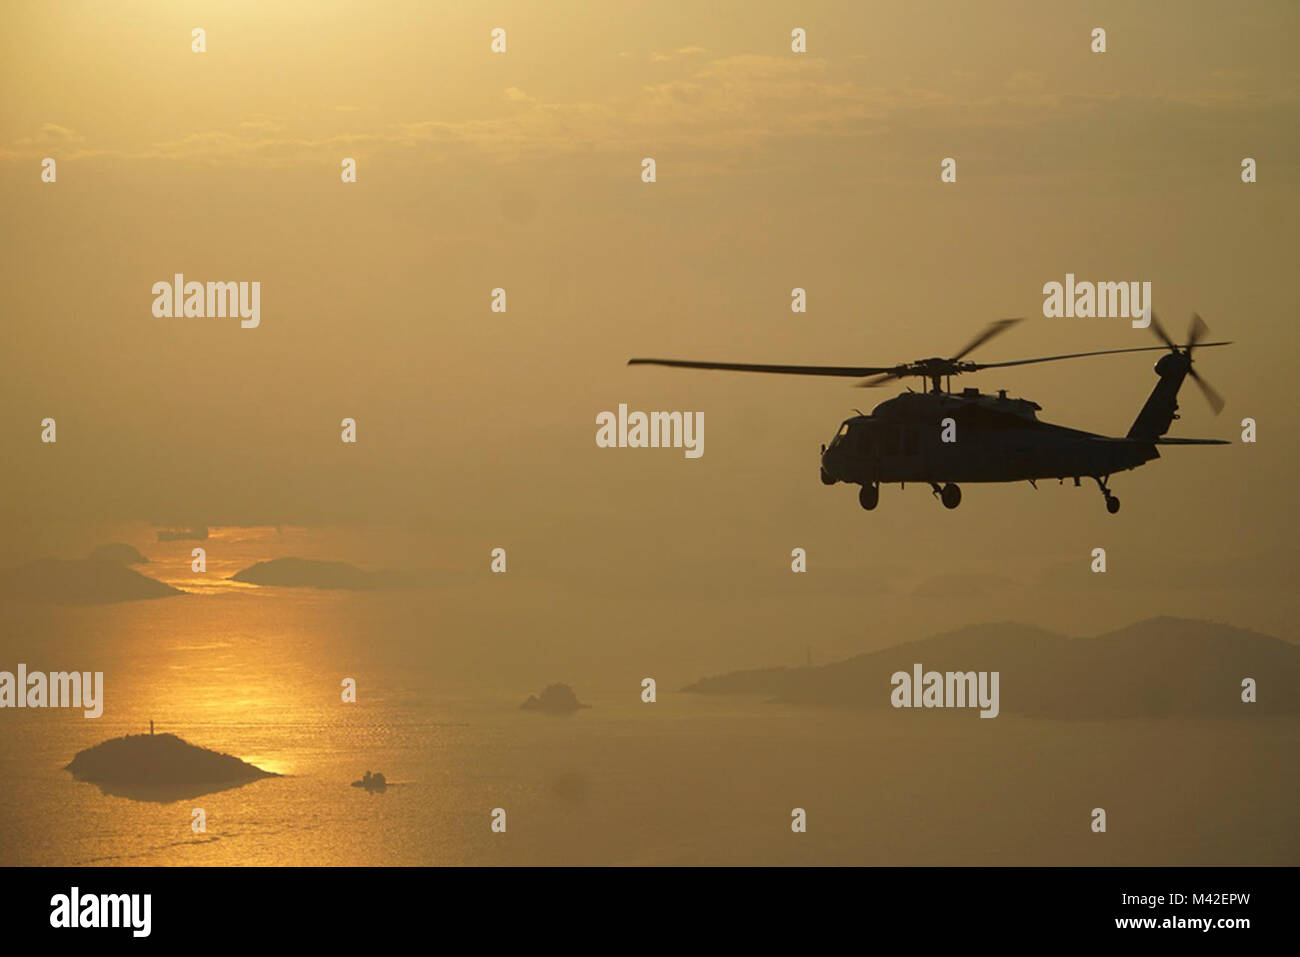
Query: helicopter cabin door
point(911, 450)
point(899, 452)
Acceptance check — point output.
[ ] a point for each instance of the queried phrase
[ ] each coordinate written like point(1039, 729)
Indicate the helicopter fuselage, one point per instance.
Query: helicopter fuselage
point(941, 437)
point(944, 438)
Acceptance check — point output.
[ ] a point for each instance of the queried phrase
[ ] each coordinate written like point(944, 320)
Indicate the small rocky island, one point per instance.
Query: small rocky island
point(556, 699)
point(161, 768)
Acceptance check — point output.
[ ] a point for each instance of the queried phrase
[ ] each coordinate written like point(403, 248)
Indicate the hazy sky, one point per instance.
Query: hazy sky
point(775, 170)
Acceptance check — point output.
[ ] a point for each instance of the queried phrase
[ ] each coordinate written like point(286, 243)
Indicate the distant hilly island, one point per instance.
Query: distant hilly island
point(312, 573)
point(1161, 666)
point(80, 581)
point(105, 578)
point(119, 552)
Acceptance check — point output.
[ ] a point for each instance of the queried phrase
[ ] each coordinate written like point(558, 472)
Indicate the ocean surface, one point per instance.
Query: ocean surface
point(690, 779)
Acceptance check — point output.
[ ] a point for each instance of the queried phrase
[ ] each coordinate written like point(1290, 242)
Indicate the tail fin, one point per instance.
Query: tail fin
point(1161, 407)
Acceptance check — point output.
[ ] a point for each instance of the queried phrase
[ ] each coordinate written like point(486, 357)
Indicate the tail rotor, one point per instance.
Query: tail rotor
point(1195, 334)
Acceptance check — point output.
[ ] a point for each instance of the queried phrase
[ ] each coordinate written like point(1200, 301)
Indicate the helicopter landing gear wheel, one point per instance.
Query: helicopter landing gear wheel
point(869, 497)
point(950, 496)
point(1112, 503)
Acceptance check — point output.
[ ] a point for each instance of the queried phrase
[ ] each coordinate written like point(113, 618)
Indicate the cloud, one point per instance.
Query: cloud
point(1026, 81)
point(51, 134)
point(264, 124)
point(679, 53)
point(719, 109)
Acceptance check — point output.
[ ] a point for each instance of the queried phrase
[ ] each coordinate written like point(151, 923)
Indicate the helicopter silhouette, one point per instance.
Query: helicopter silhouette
point(943, 438)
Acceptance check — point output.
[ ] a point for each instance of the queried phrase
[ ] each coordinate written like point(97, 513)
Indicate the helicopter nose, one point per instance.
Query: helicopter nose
point(830, 459)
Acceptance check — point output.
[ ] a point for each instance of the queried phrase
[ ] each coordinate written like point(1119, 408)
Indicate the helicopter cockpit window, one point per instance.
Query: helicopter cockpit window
point(844, 430)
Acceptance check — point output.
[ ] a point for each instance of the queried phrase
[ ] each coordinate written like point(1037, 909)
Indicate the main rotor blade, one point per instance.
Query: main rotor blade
point(993, 329)
point(855, 372)
point(975, 366)
point(877, 380)
point(1195, 332)
point(1211, 396)
point(1160, 333)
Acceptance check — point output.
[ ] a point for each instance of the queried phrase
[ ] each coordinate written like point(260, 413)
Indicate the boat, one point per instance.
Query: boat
point(372, 783)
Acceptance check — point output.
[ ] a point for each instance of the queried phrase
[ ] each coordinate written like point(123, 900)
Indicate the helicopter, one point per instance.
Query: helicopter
point(942, 438)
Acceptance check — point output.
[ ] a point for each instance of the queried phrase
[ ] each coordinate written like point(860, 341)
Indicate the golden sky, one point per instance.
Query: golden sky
point(522, 171)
